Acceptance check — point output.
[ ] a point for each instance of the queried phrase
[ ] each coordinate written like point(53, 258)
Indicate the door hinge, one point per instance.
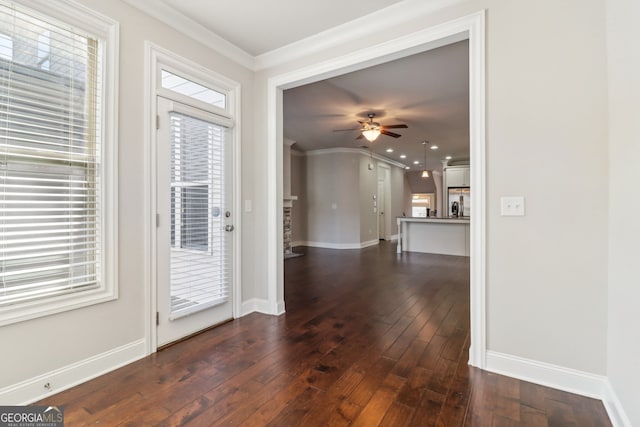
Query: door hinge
point(157, 318)
point(157, 122)
point(157, 220)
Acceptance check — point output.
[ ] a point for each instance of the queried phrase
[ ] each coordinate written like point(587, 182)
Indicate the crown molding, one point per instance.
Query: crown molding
point(387, 18)
point(187, 26)
point(343, 150)
point(372, 23)
point(289, 142)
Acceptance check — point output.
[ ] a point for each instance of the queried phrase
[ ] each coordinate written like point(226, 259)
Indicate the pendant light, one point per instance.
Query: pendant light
point(425, 172)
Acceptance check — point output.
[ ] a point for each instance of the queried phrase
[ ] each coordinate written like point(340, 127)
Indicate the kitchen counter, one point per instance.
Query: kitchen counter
point(447, 236)
point(451, 220)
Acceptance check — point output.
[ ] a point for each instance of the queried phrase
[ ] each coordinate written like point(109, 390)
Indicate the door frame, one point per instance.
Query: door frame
point(155, 57)
point(470, 27)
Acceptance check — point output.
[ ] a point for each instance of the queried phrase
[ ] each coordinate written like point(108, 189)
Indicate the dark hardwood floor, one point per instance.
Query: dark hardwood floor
point(370, 338)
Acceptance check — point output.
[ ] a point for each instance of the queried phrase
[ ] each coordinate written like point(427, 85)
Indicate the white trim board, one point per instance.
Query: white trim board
point(561, 378)
point(361, 151)
point(255, 305)
point(614, 407)
point(327, 245)
point(32, 389)
point(546, 374)
point(156, 57)
point(471, 27)
point(374, 22)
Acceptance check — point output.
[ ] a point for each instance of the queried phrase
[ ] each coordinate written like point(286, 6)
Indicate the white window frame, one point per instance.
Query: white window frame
point(106, 31)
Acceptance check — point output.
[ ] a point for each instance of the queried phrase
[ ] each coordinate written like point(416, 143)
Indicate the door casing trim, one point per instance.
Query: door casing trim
point(154, 57)
point(470, 27)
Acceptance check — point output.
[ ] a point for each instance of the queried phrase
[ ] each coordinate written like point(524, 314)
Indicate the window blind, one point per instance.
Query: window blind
point(199, 259)
point(50, 184)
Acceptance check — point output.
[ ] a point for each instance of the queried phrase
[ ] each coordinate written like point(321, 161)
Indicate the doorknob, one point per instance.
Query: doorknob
point(228, 228)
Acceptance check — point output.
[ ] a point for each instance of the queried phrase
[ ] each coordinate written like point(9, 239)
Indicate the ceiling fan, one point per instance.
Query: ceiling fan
point(371, 130)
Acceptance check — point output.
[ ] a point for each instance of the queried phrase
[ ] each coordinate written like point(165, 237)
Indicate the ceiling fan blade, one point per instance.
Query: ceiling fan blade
point(360, 136)
point(391, 134)
point(395, 127)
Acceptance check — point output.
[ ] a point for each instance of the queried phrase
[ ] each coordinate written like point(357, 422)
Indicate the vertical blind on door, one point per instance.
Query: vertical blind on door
point(199, 259)
point(50, 199)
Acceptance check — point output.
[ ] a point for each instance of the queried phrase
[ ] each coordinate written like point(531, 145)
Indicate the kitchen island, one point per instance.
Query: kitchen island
point(447, 236)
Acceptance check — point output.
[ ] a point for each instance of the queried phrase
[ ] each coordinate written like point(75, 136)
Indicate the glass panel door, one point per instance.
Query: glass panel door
point(194, 250)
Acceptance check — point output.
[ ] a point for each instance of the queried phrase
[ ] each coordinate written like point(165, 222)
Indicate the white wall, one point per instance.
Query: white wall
point(623, 357)
point(42, 345)
point(546, 105)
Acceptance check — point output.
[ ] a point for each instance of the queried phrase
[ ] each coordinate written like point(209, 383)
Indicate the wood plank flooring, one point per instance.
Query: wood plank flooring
point(370, 338)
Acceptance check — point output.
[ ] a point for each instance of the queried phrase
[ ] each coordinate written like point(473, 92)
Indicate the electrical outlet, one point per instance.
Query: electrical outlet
point(512, 206)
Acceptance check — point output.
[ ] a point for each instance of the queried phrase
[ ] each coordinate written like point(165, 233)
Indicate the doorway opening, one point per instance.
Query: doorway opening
point(469, 28)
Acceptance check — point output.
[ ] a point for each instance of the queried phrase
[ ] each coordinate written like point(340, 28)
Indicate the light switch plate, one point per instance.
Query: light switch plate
point(247, 206)
point(512, 206)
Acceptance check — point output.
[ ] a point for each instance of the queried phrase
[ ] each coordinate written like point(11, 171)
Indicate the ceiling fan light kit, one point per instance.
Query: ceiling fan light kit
point(371, 134)
point(372, 130)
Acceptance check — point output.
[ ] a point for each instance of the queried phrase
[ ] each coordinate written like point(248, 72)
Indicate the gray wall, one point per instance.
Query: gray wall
point(397, 197)
point(417, 184)
point(367, 189)
point(407, 200)
point(299, 188)
point(333, 180)
point(623, 367)
point(320, 179)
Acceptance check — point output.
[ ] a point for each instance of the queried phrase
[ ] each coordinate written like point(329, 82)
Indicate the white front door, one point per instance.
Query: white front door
point(195, 221)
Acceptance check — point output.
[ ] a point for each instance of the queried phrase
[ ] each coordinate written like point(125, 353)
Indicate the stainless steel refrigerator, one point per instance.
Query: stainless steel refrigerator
point(461, 195)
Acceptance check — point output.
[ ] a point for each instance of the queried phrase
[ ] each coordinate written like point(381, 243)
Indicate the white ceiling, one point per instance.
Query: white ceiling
point(260, 26)
point(428, 91)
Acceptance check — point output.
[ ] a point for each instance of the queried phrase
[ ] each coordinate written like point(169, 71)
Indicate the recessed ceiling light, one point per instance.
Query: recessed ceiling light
point(416, 162)
point(407, 167)
point(448, 158)
point(403, 156)
point(389, 150)
point(434, 147)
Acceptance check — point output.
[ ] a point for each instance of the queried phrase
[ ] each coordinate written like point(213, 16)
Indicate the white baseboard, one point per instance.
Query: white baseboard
point(393, 237)
point(298, 243)
point(255, 305)
point(369, 243)
point(614, 408)
point(561, 378)
point(32, 390)
point(260, 305)
point(326, 245)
